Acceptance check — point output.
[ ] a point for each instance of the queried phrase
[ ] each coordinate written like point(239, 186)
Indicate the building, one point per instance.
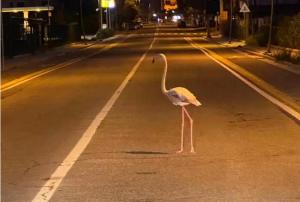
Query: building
point(25, 25)
point(169, 5)
point(27, 9)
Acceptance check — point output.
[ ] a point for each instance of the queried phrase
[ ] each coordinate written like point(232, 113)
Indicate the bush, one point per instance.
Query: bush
point(260, 38)
point(105, 33)
point(237, 31)
point(283, 55)
point(287, 56)
point(252, 41)
point(289, 32)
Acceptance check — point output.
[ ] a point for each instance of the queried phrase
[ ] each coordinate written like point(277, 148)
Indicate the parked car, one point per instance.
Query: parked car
point(135, 25)
point(141, 25)
point(181, 24)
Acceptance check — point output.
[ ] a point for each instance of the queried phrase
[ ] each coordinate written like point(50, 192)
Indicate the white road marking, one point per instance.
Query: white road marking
point(29, 77)
point(265, 94)
point(49, 188)
point(263, 59)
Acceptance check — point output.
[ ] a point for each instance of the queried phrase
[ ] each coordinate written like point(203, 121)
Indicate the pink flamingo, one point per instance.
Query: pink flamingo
point(180, 96)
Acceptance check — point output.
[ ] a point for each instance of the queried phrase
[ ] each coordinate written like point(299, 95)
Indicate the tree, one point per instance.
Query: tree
point(129, 11)
point(289, 32)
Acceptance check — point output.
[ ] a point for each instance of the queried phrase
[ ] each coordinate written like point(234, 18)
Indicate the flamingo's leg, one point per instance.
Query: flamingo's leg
point(191, 125)
point(182, 130)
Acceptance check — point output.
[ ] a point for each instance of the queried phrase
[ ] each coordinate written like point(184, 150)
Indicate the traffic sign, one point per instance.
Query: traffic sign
point(107, 3)
point(244, 8)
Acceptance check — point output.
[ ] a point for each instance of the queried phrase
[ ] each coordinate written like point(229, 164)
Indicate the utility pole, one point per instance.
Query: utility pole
point(271, 27)
point(81, 20)
point(230, 26)
point(207, 21)
point(100, 14)
point(49, 23)
point(107, 18)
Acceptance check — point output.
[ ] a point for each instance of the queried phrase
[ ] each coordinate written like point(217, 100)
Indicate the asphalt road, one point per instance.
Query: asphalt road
point(247, 149)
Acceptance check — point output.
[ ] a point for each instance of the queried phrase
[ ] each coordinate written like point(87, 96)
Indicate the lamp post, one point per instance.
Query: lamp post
point(207, 19)
point(49, 15)
point(100, 14)
point(81, 20)
point(49, 22)
point(271, 26)
point(230, 25)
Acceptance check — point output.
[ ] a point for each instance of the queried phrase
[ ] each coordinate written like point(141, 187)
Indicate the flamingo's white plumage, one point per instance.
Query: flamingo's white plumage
point(179, 96)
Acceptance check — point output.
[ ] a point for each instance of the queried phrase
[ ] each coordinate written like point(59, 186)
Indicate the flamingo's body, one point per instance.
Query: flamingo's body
point(179, 96)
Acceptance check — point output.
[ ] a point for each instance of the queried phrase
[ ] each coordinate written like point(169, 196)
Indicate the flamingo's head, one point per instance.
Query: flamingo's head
point(159, 55)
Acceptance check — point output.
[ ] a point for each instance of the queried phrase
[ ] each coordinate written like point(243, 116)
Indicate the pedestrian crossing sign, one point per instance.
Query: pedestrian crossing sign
point(244, 8)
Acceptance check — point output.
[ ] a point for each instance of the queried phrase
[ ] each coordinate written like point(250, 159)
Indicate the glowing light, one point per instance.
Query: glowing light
point(154, 15)
point(108, 3)
point(175, 18)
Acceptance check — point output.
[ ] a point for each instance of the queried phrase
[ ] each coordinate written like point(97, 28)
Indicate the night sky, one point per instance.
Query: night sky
point(91, 5)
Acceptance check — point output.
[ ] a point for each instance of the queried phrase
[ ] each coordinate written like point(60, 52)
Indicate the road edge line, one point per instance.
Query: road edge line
point(276, 97)
point(34, 75)
point(49, 188)
point(264, 58)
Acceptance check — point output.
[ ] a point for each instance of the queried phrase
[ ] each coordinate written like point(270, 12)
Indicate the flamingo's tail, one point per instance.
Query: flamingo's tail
point(196, 103)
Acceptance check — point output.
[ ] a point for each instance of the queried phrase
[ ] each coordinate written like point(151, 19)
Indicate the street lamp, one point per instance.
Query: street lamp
point(271, 26)
point(230, 26)
point(100, 14)
point(49, 22)
point(81, 20)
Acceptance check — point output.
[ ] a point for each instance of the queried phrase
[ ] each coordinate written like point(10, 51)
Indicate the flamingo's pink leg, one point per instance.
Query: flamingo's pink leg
point(191, 124)
point(182, 131)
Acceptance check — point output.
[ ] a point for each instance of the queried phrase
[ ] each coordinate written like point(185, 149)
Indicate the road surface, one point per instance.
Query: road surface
point(247, 148)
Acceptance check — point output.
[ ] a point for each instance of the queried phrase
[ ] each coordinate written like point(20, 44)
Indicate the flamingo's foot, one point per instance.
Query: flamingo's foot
point(179, 151)
point(193, 151)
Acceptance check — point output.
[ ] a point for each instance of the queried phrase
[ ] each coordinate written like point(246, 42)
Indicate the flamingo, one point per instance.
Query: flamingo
point(182, 97)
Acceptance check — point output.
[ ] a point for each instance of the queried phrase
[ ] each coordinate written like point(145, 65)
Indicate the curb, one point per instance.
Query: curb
point(266, 58)
point(39, 59)
point(265, 87)
point(271, 60)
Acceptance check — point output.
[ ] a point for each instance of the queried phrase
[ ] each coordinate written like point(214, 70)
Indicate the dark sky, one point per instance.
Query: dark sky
point(91, 5)
point(212, 5)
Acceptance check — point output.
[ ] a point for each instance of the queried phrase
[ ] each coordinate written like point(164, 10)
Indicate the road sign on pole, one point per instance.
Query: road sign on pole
point(108, 3)
point(244, 8)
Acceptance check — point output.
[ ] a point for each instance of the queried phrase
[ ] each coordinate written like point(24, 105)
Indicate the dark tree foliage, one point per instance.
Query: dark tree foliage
point(212, 6)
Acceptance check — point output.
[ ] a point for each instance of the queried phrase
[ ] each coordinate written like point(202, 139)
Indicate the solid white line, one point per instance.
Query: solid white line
point(264, 59)
point(49, 188)
point(266, 95)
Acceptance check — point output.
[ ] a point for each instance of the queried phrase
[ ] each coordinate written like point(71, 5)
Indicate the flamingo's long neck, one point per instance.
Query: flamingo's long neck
point(163, 81)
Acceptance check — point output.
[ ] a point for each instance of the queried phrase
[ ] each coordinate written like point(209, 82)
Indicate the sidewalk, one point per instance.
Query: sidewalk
point(241, 45)
point(25, 64)
point(283, 76)
point(41, 56)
